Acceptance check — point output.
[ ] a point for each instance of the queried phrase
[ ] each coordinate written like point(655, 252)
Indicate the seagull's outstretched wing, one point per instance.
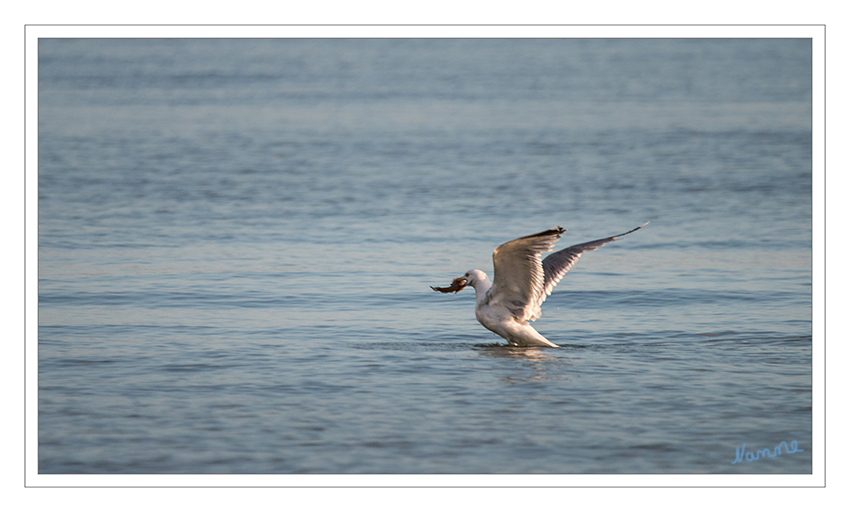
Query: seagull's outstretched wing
point(557, 264)
point(518, 276)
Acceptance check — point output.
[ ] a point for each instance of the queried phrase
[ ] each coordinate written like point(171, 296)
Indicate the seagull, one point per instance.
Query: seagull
point(521, 282)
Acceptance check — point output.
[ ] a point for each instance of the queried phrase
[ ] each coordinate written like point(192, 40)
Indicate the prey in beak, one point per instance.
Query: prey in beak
point(456, 286)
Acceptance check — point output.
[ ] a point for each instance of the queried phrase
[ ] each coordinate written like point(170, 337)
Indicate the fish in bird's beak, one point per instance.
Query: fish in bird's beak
point(456, 286)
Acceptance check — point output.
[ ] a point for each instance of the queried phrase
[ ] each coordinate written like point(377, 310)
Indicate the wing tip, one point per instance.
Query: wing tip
point(631, 231)
point(557, 231)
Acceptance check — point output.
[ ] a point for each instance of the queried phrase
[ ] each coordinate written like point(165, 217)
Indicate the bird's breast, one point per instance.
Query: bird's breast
point(490, 316)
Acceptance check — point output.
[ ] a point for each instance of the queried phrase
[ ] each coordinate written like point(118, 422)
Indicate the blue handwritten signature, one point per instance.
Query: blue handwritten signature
point(740, 455)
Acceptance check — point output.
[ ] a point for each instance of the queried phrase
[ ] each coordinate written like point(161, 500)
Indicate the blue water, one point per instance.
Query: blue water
point(237, 239)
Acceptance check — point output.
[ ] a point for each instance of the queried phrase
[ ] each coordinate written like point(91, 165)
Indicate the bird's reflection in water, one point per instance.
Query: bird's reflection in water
point(531, 353)
point(540, 363)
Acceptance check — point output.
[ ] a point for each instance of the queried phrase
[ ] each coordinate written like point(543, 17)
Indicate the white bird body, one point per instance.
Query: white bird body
point(521, 282)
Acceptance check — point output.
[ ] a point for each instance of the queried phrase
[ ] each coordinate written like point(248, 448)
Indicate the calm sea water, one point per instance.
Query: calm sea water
point(237, 239)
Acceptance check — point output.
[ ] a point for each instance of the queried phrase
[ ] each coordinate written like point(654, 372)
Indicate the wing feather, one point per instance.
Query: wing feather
point(518, 276)
point(557, 264)
point(522, 281)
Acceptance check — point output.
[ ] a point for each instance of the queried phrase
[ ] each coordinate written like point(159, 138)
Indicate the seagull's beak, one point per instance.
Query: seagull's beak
point(456, 286)
point(459, 284)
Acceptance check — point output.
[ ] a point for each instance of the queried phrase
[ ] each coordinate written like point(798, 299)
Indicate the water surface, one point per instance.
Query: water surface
point(237, 239)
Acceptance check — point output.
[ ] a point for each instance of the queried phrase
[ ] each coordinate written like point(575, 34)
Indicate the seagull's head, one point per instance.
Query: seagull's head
point(474, 277)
